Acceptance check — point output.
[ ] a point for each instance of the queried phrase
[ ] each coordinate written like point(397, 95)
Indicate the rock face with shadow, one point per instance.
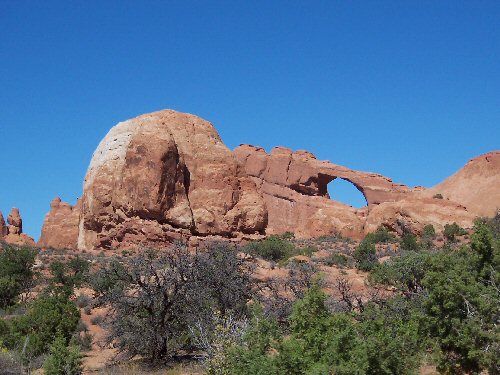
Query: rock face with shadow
point(163, 176)
point(167, 175)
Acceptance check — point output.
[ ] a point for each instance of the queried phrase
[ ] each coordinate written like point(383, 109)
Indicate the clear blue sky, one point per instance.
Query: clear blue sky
point(409, 89)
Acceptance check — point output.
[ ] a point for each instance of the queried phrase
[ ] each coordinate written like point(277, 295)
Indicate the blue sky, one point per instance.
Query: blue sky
point(409, 89)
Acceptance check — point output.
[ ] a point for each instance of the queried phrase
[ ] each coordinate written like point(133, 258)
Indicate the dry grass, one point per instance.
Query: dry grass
point(136, 368)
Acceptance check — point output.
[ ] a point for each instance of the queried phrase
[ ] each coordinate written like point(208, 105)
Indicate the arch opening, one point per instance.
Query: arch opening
point(346, 192)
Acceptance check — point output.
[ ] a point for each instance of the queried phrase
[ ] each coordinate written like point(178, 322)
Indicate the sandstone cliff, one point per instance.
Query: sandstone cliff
point(167, 175)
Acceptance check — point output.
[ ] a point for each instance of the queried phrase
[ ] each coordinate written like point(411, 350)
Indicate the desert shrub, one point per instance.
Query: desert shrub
point(49, 316)
point(381, 235)
point(273, 248)
point(277, 295)
point(319, 342)
point(458, 292)
point(365, 255)
point(429, 231)
point(216, 338)
point(277, 248)
point(409, 242)
point(81, 326)
point(10, 363)
point(63, 359)
point(83, 301)
point(438, 196)
point(307, 250)
point(336, 259)
point(83, 340)
point(16, 273)
point(97, 320)
point(156, 296)
point(405, 272)
point(70, 274)
point(453, 230)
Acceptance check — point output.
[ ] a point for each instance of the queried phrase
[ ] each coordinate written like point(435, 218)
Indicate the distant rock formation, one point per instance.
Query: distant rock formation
point(476, 185)
point(13, 232)
point(3, 227)
point(167, 175)
point(60, 228)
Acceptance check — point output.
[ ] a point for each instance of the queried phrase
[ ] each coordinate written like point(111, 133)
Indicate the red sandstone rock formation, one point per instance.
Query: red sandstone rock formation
point(162, 176)
point(294, 188)
point(3, 227)
point(476, 185)
point(167, 175)
point(13, 233)
point(60, 228)
point(15, 222)
point(414, 212)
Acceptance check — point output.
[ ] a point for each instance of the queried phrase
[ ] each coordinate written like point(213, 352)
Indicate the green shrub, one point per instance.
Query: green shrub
point(405, 272)
point(453, 230)
point(47, 317)
point(339, 260)
point(63, 359)
point(409, 242)
point(429, 231)
point(273, 248)
point(277, 248)
point(365, 255)
point(381, 235)
point(16, 273)
point(383, 341)
point(71, 274)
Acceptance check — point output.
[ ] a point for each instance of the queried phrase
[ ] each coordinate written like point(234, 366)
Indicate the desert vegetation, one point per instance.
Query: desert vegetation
point(268, 307)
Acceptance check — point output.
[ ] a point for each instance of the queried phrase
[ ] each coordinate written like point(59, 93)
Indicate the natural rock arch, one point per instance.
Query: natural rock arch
point(347, 192)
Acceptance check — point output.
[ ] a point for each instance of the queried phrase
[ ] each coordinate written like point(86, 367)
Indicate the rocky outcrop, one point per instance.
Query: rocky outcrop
point(294, 188)
point(15, 222)
point(3, 227)
point(476, 185)
point(163, 176)
point(413, 213)
point(60, 228)
point(13, 233)
point(167, 175)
